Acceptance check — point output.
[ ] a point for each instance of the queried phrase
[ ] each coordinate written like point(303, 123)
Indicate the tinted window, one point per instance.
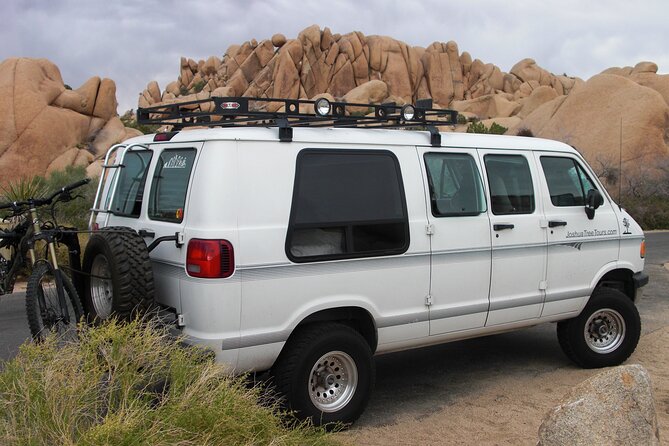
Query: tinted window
point(347, 204)
point(127, 200)
point(455, 185)
point(568, 183)
point(170, 183)
point(510, 182)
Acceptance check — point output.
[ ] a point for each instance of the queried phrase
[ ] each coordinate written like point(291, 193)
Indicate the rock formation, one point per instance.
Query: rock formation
point(358, 68)
point(318, 61)
point(45, 127)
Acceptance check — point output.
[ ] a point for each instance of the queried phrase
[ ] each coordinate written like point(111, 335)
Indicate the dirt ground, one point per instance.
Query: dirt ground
point(501, 387)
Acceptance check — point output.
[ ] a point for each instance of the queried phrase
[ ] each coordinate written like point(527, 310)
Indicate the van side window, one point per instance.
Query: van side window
point(510, 182)
point(347, 204)
point(455, 185)
point(170, 183)
point(129, 193)
point(568, 183)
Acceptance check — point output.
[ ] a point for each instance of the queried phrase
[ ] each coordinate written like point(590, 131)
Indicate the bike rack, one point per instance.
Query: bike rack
point(111, 190)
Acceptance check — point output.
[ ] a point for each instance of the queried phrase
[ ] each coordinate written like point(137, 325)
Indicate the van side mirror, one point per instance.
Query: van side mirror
point(592, 202)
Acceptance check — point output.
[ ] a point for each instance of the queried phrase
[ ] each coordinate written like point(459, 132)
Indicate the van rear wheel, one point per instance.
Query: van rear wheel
point(118, 275)
point(605, 333)
point(326, 373)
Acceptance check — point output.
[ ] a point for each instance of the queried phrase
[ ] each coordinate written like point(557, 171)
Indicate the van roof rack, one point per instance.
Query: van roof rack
point(244, 111)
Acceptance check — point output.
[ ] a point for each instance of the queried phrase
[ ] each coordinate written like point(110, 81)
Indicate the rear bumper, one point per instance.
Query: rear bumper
point(640, 279)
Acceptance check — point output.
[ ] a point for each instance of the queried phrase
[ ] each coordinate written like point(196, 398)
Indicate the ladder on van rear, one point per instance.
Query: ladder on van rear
point(107, 187)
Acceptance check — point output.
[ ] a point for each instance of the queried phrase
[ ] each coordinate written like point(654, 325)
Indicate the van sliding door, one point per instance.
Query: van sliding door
point(460, 239)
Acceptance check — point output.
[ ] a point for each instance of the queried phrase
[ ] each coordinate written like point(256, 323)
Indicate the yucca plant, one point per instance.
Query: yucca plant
point(24, 188)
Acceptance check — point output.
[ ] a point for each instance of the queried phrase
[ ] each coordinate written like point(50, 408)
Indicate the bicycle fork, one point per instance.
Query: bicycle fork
point(60, 289)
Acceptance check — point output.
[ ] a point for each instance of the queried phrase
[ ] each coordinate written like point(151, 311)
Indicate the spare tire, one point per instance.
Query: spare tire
point(118, 279)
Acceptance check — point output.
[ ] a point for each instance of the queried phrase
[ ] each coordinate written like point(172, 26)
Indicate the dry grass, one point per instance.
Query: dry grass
point(133, 385)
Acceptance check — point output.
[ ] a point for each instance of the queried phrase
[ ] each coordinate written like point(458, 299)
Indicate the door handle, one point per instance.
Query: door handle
point(501, 226)
point(556, 223)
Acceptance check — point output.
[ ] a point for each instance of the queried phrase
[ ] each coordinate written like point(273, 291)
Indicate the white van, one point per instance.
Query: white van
point(306, 251)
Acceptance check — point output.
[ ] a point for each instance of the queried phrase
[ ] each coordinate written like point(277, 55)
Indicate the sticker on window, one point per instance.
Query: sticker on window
point(176, 162)
point(167, 201)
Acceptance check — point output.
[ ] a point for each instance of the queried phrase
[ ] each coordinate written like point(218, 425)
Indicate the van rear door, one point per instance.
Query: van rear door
point(152, 198)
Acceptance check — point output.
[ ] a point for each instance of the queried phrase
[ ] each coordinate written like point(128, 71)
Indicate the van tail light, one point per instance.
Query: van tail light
point(642, 249)
point(210, 259)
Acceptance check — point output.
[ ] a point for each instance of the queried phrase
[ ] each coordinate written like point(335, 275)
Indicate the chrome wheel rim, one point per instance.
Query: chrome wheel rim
point(604, 331)
point(101, 287)
point(332, 381)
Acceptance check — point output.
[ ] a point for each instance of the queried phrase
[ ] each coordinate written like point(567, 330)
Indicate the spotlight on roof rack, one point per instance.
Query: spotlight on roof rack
point(322, 107)
point(408, 112)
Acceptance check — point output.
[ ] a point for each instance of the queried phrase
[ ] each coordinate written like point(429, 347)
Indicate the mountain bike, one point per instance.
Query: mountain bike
point(52, 301)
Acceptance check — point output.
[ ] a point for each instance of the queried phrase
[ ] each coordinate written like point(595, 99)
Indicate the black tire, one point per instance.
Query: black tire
point(330, 348)
point(605, 333)
point(118, 279)
point(43, 306)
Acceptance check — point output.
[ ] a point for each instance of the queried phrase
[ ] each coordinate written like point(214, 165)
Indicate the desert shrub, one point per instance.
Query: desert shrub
point(650, 211)
point(130, 384)
point(129, 119)
point(24, 188)
point(198, 86)
point(525, 132)
point(479, 127)
point(74, 213)
point(476, 127)
point(462, 119)
point(496, 129)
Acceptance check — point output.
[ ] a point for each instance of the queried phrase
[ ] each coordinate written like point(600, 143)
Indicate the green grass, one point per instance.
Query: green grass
point(103, 390)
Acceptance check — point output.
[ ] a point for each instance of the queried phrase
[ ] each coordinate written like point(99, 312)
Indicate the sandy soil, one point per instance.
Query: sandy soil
point(500, 402)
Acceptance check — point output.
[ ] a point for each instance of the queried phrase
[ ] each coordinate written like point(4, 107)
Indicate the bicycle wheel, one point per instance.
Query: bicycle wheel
point(43, 307)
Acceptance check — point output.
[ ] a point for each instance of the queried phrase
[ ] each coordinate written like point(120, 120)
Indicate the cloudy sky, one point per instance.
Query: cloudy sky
point(134, 41)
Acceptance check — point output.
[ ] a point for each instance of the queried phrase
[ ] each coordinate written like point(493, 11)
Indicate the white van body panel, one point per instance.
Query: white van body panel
point(459, 277)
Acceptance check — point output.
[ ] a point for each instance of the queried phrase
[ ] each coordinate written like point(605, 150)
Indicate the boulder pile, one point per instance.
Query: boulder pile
point(622, 111)
point(45, 126)
point(318, 61)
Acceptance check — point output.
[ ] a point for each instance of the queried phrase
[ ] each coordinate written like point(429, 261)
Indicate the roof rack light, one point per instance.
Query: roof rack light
point(408, 112)
point(322, 107)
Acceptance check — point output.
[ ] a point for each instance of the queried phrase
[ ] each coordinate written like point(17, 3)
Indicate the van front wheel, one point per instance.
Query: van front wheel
point(326, 373)
point(605, 333)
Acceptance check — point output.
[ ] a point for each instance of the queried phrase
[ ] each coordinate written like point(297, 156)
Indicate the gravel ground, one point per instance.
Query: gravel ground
point(496, 390)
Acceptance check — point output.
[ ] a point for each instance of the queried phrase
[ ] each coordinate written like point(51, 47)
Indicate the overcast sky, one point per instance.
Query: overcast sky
point(135, 41)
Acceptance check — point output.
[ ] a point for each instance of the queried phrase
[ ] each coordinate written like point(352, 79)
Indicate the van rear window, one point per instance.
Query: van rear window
point(129, 193)
point(170, 183)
